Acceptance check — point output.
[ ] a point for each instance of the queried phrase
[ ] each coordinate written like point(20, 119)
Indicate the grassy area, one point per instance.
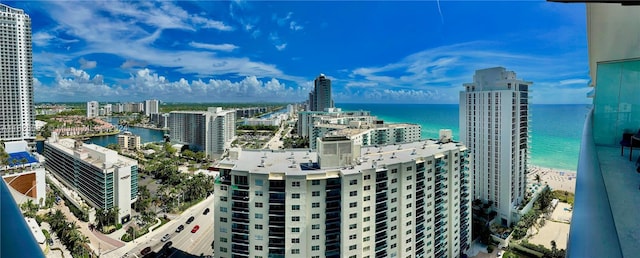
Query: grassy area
point(563, 196)
point(162, 222)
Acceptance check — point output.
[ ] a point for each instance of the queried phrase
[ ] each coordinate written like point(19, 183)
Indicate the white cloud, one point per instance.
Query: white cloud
point(145, 82)
point(132, 63)
point(86, 64)
point(214, 47)
point(42, 38)
point(294, 26)
point(574, 81)
point(281, 46)
point(277, 42)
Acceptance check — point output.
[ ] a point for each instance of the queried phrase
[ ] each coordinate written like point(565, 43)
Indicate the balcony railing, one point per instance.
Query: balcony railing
point(586, 238)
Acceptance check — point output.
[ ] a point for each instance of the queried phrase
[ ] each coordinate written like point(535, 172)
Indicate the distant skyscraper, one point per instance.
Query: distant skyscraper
point(151, 106)
point(93, 109)
point(17, 111)
point(494, 124)
point(320, 97)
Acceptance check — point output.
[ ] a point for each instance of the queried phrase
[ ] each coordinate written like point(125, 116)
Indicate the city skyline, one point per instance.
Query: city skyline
point(244, 51)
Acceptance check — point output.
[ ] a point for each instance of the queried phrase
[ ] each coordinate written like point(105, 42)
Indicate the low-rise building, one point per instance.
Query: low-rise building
point(129, 141)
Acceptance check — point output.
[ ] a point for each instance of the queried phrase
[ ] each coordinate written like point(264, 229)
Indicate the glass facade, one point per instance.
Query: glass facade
point(616, 103)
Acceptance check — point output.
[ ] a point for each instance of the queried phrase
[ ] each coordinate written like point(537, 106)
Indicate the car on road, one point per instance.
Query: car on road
point(167, 245)
point(195, 229)
point(205, 211)
point(145, 251)
point(190, 220)
point(165, 238)
point(180, 228)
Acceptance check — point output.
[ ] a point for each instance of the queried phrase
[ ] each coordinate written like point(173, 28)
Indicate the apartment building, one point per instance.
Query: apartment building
point(211, 131)
point(93, 109)
point(17, 110)
point(494, 124)
point(410, 200)
point(129, 141)
point(100, 176)
point(320, 98)
point(151, 106)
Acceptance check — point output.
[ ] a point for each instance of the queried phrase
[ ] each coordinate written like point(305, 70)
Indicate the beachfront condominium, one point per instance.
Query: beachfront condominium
point(93, 109)
point(211, 131)
point(100, 176)
point(494, 124)
point(320, 97)
point(344, 200)
point(151, 106)
point(17, 110)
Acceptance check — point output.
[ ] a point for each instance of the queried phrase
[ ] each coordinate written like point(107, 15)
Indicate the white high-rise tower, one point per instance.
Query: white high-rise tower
point(17, 114)
point(494, 124)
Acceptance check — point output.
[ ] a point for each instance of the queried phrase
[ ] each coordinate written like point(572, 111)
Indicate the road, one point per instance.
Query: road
point(275, 142)
point(185, 243)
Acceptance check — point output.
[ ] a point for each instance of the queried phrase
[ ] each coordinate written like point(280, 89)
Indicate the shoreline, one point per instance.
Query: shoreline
point(557, 179)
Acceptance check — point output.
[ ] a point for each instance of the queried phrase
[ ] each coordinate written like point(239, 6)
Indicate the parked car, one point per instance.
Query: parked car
point(190, 220)
point(205, 211)
point(180, 228)
point(165, 238)
point(145, 251)
point(195, 229)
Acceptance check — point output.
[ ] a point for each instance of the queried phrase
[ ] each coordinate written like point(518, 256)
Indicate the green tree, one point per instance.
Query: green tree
point(113, 146)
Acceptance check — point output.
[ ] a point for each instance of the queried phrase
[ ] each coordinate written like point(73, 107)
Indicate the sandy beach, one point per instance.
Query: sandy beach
point(557, 179)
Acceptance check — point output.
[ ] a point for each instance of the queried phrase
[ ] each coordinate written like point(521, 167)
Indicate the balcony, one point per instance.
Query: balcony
point(606, 192)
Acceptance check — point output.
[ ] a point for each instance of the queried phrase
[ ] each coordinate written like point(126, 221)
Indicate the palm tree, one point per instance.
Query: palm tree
point(537, 178)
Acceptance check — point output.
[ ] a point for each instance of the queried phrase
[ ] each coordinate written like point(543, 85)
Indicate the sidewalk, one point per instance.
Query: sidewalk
point(56, 244)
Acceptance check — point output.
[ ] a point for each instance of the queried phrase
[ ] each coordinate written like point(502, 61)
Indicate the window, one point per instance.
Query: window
point(353, 215)
point(315, 205)
point(352, 237)
point(258, 215)
point(295, 251)
point(394, 209)
point(295, 240)
point(366, 229)
point(258, 226)
point(315, 226)
point(394, 190)
point(315, 248)
point(353, 226)
point(295, 230)
point(353, 247)
point(223, 219)
point(258, 183)
point(367, 208)
point(409, 169)
point(295, 184)
point(295, 196)
point(259, 247)
point(258, 193)
point(367, 187)
point(394, 200)
point(223, 249)
point(315, 182)
point(258, 205)
point(393, 181)
point(315, 193)
point(366, 239)
point(408, 196)
point(367, 177)
point(315, 216)
point(408, 205)
point(353, 182)
point(295, 207)
point(315, 237)
point(353, 193)
point(223, 209)
point(409, 187)
point(295, 218)
point(223, 239)
point(366, 198)
point(353, 205)
point(393, 171)
point(367, 219)
point(223, 198)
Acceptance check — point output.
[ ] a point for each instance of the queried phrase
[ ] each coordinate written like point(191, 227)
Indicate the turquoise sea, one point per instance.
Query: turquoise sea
point(556, 130)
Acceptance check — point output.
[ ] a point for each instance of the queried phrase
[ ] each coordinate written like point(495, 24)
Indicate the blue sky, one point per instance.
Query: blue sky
point(257, 51)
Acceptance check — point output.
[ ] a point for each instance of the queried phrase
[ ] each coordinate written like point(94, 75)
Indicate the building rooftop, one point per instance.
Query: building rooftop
point(302, 161)
point(94, 154)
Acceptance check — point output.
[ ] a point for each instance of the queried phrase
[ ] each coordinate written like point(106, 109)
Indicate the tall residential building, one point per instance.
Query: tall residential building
point(211, 131)
point(108, 109)
point(151, 106)
point(320, 97)
point(93, 109)
point(17, 110)
point(99, 175)
point(344, 201)
point(494, 124)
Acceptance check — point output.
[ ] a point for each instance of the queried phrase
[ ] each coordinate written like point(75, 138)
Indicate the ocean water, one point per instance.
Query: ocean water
point(556, 130)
